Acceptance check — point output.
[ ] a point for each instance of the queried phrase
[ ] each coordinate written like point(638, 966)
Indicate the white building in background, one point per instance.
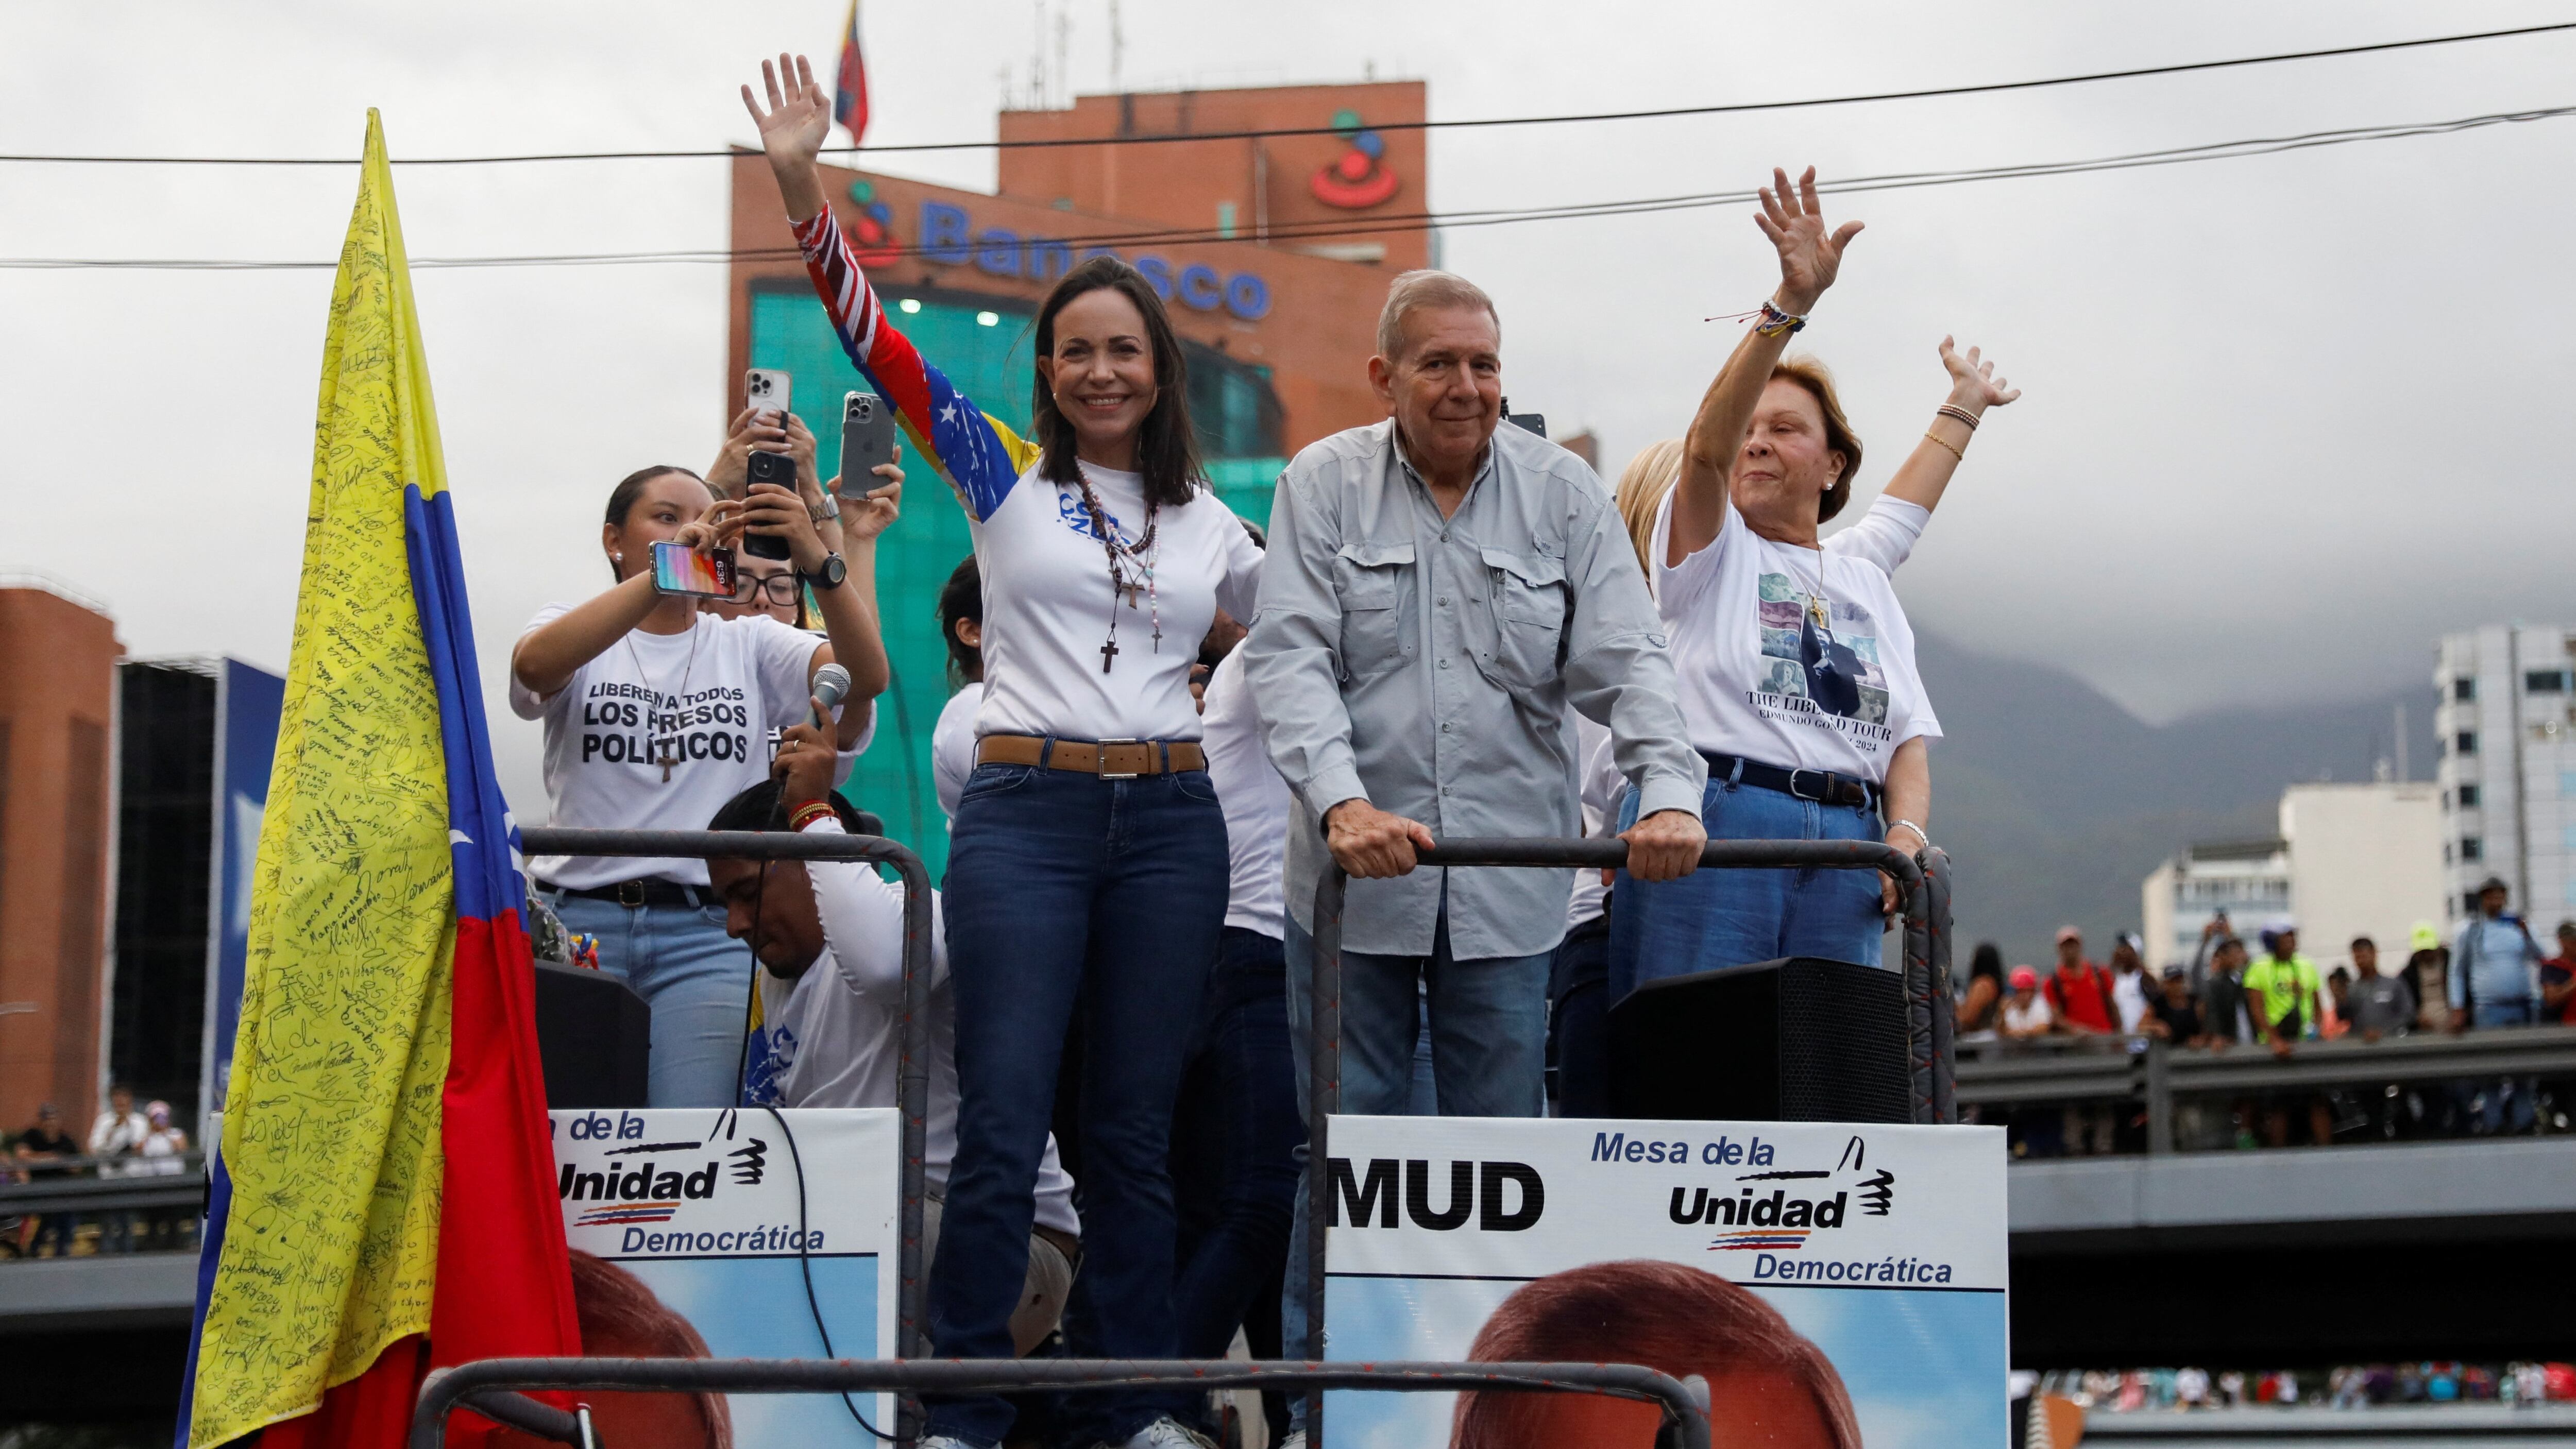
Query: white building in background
point(2506, 725)
point(2351, 860)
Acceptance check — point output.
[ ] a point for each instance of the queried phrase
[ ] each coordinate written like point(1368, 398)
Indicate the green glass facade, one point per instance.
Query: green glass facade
point(1239, 422)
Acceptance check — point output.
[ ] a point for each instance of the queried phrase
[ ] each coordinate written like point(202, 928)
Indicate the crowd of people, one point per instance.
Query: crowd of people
point(2344, 1386)
point(2492, 974)
point(1170, 723)
point(124, 1141)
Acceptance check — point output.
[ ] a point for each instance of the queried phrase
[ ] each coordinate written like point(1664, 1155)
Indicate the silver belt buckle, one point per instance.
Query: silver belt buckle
point(1103, 747)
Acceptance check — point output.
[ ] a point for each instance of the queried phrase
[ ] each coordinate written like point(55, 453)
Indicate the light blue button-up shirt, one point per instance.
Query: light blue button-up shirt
point(1425, 664)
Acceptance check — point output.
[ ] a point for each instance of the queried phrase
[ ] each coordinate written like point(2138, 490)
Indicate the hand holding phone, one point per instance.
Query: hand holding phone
point(867, 442)
point(680, 569)
point(768, 390)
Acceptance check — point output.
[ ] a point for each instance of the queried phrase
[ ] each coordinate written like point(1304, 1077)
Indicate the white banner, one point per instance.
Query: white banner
point(705, 1232)
point(1838, 1285)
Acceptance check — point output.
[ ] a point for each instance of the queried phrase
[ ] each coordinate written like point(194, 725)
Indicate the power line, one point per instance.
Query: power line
point(1415, 222)
point(1485, 122)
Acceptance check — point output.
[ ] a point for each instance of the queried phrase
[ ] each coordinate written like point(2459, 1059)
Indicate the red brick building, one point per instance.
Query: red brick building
point(57, 729)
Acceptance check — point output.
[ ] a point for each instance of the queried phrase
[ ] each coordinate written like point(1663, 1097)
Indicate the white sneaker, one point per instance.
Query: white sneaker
point(1167, 1433)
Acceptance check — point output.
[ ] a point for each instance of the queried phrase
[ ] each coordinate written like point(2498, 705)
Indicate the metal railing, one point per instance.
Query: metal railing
point(2148, 1072)
point(489, 1386)
point(67, 1184)
point(1923, 889)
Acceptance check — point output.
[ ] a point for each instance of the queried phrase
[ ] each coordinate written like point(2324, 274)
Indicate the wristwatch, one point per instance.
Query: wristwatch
point(829, 576)
point(830, 510)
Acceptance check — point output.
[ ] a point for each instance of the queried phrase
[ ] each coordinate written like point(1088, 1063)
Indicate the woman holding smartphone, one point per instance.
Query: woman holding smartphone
point(1088, 854)
point(656, 714)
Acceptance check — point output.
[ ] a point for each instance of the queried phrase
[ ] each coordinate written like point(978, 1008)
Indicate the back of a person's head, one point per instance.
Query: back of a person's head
point(961, 599)
point(621, 1318)
point(1986, 960)
point(1640, 494)
point(759, 808)
point(1665, 1316)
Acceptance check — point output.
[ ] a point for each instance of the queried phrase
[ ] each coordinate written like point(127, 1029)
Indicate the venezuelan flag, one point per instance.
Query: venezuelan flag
point(383, 1197)
point(850, 87)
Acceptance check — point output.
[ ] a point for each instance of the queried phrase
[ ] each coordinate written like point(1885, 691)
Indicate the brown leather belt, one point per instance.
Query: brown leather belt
point(1109, 759)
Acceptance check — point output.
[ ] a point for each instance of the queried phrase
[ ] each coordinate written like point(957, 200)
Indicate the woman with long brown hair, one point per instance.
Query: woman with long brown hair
point(1088, 856)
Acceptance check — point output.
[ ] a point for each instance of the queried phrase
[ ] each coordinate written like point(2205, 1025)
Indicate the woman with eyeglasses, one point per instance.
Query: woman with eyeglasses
point(1796, 661)
point(1089, 854)
point(656, 713)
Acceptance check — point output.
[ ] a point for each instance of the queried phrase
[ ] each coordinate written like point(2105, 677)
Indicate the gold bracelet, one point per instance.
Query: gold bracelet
point(1955, 453)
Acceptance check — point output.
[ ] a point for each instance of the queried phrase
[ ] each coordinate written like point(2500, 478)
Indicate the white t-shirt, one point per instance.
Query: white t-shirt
point(1602, 786)
point(647, 696)
point(831, 1037)
point(2033, 1017)
point(1885, 536)
point(2129, 994)
point(1764, 677)
point(161, 1149)
point(1047, 603)
point(952, 746)
point(1255, 801)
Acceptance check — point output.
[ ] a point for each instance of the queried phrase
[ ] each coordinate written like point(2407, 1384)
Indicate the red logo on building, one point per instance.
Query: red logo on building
point(1359, 178)
point(871, 229)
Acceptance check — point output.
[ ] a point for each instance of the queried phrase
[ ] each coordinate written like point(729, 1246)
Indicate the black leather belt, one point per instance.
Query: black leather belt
point(1823, 786)
point(650, 891)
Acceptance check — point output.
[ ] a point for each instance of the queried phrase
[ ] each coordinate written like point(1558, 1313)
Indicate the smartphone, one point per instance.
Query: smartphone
point(768, 389)
point(680, 569)
point(775, 468)
point(867, 439)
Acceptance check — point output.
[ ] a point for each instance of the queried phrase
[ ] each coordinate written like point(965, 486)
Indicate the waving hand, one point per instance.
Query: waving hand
point(1795, 223)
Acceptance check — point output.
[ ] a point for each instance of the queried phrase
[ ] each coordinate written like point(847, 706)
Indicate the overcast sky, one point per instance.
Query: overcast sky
point(2287, 419)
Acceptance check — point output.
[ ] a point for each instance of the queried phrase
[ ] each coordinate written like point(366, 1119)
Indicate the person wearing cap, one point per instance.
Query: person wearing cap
point(2496, 976)
point(2286, 987)
point(2495, 982)
point(2286, 995)
point(2026, 1014)
point(2080, 991)
point(2131, 987)
point(2427, 970)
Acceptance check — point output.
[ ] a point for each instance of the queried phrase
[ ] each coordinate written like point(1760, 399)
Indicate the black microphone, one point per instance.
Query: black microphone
point(830, 683)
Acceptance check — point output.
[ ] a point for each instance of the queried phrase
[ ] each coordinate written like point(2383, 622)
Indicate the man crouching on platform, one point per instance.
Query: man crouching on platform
point(829, 938)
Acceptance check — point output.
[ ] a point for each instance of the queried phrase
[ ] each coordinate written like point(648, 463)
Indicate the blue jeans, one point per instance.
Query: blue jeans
point(1488, 1053)
point(1235, 1136)
point(2491, 1100)
point(695, 977)
point(1714, 918)
point(1578, 1020)
point(1063, 886)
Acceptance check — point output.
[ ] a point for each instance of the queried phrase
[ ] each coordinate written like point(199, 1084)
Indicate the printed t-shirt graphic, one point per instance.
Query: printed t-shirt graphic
point(1790, 656)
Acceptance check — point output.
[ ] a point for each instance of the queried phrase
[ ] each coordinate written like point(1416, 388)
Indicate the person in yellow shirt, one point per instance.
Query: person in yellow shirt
point(2283, 993)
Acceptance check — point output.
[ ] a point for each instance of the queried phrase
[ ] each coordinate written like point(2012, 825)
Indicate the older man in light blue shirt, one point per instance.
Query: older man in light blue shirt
point(1439, 590)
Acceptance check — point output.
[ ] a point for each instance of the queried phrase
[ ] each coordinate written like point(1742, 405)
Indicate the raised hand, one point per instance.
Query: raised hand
point(1973, 384)
point(1795, 222)
point(799, 117)
point(719, 527)
point(873, 512)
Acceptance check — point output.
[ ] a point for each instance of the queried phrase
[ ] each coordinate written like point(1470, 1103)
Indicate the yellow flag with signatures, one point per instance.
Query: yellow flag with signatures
point(330, 1149)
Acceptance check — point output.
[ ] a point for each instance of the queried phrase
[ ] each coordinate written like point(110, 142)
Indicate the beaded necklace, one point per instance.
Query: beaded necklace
point(1138, 556)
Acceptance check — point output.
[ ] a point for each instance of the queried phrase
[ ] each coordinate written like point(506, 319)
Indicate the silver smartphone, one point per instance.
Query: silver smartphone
point(768, 389)
point(867, 439)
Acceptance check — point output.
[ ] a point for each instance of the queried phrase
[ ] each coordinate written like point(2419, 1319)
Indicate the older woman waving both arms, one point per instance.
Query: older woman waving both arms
point(1089, 856)
point(1796, 660)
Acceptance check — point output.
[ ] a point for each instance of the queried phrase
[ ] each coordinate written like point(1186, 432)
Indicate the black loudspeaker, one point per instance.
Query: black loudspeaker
point(1796, 1040)
point(595, 1037)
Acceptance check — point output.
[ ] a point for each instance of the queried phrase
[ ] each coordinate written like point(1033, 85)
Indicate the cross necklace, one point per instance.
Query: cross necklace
point(670, 754)
point(1140, 555)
